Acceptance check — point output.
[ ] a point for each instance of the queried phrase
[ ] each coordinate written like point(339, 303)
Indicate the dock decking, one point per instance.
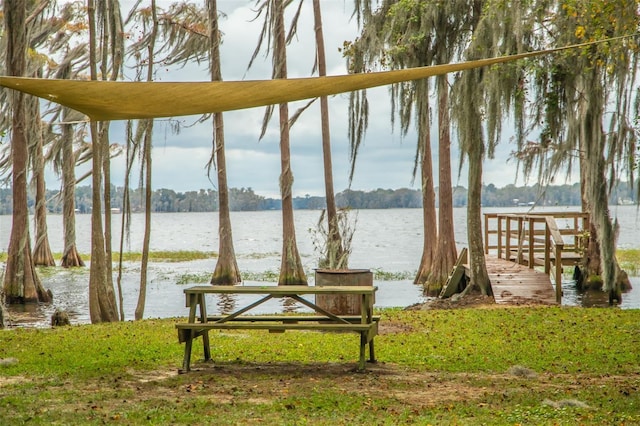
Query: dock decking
point(521, 242)
point(516, 284)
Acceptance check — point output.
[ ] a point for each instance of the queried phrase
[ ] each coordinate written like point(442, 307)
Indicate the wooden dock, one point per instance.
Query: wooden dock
point(515, 284)
point(518, 243)
point(517, 246)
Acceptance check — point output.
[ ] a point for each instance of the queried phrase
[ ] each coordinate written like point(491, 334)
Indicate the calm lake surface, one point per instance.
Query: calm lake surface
point(386, 240)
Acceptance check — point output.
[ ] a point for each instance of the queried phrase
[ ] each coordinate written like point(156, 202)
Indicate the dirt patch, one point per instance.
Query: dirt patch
point(478, 301)
point(12, 380)
point(154, 376)
point(393, 327)
point(468, 301)
point(230, 383)
point(289, 385)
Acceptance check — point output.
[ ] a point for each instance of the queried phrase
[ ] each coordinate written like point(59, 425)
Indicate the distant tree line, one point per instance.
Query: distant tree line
point(245, 199)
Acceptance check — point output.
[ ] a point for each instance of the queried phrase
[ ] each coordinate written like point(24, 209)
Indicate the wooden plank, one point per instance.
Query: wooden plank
point(281, 291)
point(452, 286)
point(268, 326)
point(289, 318)
point(516, 284)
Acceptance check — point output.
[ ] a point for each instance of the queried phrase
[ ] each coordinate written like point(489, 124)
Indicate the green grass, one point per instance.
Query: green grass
point(381, 275)
point(167, 256)
point(629, 260)
point(267, 276)
point(435, 367)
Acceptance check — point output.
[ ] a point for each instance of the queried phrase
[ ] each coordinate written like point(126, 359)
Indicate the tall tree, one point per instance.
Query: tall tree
point(573, 92)
point(191, 33)
point(21, 281)
point(404, 34)
point(147, 131)
point(335, 249)
point(410, 101)
point(71, 61)
point(41, 28)
point(291, 270)
point(42, 255)
point(226, 270)
point(102, 302)
point(468, 103)
point(449, 23)
point(67, 162)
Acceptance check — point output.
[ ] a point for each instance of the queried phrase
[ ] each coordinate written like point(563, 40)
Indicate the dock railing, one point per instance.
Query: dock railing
point(536, 239)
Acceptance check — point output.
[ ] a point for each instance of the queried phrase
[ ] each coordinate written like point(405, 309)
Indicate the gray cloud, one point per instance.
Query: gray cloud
point(385, 160)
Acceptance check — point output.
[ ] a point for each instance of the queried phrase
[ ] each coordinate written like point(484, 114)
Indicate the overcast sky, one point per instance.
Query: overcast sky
point(385, 160)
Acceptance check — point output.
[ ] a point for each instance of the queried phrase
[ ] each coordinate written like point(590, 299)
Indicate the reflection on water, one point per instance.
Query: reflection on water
point(69, 293)
point(599, 299)
point(226, 303)
point(594, 299)
point(390, 240)
point(290, 305)
point(165, 298)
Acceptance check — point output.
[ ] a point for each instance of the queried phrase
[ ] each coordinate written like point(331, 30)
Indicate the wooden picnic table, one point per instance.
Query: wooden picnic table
point(199, 323)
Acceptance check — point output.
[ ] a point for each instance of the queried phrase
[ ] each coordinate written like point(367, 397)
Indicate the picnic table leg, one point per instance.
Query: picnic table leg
point(367, 316)
point(372, 356)
point(205, 333)
point(186, 361)
point(363, 342)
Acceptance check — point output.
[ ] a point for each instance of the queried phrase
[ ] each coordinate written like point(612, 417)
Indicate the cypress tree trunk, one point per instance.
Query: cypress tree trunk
point(42, 250)
point(429, 219)
point(335, 250)
point(446, 252)
point(479, 276)
point(593, 139)
point(102, 301)
point(148, 192)
point(146, 152)
point(226, 270)
point(291, 270)
point(70, 256)
point(21, 282)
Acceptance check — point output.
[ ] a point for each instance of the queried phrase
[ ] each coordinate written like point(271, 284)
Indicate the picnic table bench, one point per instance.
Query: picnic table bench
point(199, 323)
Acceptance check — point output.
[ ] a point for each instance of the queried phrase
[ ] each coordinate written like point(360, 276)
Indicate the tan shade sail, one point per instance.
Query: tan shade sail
point(108, 100)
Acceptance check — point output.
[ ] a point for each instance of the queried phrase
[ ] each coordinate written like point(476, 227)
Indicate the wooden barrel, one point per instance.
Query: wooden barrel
point(342, 304)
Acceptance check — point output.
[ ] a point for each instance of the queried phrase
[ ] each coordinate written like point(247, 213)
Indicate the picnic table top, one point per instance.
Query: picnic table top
point(284, 290)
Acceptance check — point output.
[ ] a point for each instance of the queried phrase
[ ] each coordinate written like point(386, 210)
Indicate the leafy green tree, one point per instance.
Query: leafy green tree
point(483, 99)
point(410, 33)
point(409, 99)
point(583, 98)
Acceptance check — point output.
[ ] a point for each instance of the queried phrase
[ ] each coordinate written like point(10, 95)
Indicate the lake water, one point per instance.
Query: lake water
point(387, 240)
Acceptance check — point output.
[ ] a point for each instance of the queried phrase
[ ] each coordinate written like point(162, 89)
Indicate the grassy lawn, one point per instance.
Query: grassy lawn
point(529, 365)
